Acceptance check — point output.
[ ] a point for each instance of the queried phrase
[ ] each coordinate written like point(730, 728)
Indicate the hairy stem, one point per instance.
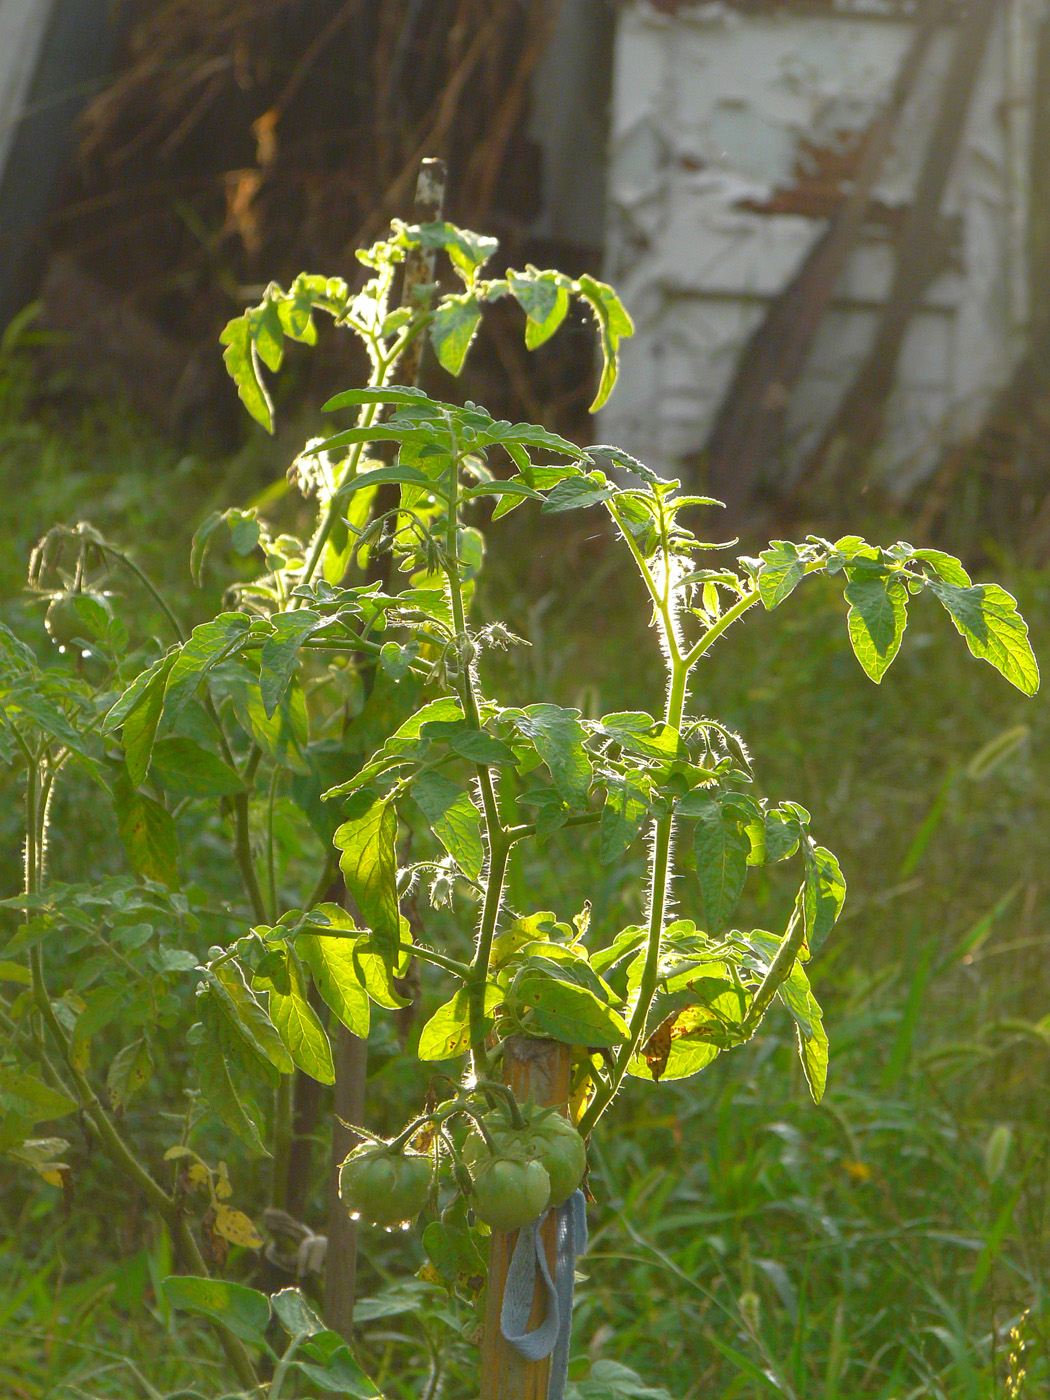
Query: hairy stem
point(282, 1140)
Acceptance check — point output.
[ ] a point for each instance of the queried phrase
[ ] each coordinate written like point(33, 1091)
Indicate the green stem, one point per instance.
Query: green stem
point(236, 1351)
point(659, 878)
point(712, 634)
point(499, 851)
point(284, 1098)
point(151, 589)
point(519, 833)
point(271, 876)
point(243, 840)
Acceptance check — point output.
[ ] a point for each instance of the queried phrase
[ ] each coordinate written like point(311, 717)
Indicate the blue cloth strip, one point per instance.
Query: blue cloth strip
point(551, 1338)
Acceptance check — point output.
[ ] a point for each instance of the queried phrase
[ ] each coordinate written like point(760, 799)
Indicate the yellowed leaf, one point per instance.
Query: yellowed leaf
point(234, 1225)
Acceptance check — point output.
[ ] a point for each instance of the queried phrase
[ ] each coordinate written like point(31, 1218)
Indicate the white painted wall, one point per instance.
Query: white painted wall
point(23, 24)
point(709, 106)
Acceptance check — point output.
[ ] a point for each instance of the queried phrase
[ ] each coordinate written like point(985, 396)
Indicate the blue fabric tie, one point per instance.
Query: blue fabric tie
point(551, 1337)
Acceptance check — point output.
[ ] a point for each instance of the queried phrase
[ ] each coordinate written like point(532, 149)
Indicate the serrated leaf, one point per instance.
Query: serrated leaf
point(369, 865)
point(447, 1033)
point(453, 818)
point(559, 737)
point(823, 895)
point(453, 328)
point(284, 735)
point(948, 568)
point(217, 1086)
point(182, 766)
point(295, 1314)
point(878, 615)
point(242, 366)
point(722, 848)
point(986, 617)
point(244, 1311)
point(623, 816)
point(238, 1228)
point(331, 961)
point(479, 747)
point(147, 832)
point(781, 570)
point(567, 1012)
point(544, 299)
point(613, 325)
point(206, 646)
point(129, 1072)
point(247, 1015)
point(281, 652)
point(641, 734)
point(304, 1037)
point(577, 492)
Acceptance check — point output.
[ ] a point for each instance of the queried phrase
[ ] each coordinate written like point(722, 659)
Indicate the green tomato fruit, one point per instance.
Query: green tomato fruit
point(510, 1192)
point(384, 1187)
point(554, 1142)
point(63, 621)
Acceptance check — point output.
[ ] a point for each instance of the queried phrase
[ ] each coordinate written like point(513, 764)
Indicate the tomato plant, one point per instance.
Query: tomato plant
point(354, 697)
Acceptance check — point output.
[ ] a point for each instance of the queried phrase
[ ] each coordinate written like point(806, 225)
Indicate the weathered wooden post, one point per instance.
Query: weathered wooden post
point(540, 1069)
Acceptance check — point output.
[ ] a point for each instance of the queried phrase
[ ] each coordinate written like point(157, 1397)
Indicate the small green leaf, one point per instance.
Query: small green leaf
point(284, 735)
point(479, 747)
point(139, 732)
point(878, 615)
point(369, 865)
point(576, 492)
point(781, 570)
point(247, 1015)
point(453, 818)
point(182, 766)
point(544, 298)
point(823, 894)
point(986, 617)
point(33, 1099)
point(640, 733)
point(242, 366)
point(295, 1314)
point(244, 1311)
point(613, 325)
point(455, 322)
point(447, 1033)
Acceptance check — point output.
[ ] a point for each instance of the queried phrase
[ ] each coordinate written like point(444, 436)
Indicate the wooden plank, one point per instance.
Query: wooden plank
point(858, 421)
point(542, 1069)
point(747, 432)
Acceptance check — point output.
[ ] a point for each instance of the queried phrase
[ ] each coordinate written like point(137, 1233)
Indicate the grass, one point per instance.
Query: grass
point(746, 1244)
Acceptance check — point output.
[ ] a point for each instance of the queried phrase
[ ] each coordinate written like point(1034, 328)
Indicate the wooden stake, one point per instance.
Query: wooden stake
point(540, 1069)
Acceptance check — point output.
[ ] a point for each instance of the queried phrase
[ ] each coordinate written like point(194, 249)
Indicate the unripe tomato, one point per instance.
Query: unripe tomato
point(548, 1137)
point(385, 1187)
point(510, 1192)
point(64, 624)
point(554, 1142)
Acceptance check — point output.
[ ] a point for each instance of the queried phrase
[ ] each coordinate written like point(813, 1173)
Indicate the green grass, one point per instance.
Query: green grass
point(746, 1244)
